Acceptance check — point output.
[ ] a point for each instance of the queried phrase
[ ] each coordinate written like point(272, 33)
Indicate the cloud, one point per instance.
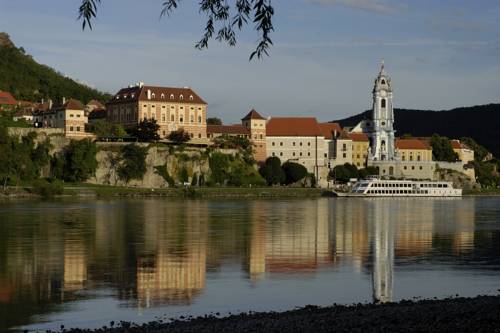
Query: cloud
point(375, 6)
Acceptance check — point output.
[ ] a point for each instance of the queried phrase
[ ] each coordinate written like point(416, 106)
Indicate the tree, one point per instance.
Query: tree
point(480, 152)
point(368, 171)
point(77, 162)
point(219, 165)
point(179, 137)
point(134, 162)
point(223, 20)
point(272, 172)
point(214, 121)
point(147, 131)
point(293, 172)
point(343, 173)
point(442, 149)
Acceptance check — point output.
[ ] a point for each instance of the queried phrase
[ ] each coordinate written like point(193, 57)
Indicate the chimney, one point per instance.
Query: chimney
point(50, 103)
point(64, 100)
point(335, 134)
point(141, 84)
point(43, 100)
point(149, 94)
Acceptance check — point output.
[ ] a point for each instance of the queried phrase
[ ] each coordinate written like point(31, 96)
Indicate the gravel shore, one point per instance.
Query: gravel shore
point(479, 314)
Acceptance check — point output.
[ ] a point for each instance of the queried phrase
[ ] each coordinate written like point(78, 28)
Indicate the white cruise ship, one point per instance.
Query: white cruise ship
point(375, 187)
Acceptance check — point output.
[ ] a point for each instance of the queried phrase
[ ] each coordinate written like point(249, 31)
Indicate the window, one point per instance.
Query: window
point(163, 118)
point(294, 143)
point(78, 128)
point(199, 135)
point(281, 153)
point(153, 95)
point(272, 144)
point(191, 118)
point(163, 97)
point(308, 154)
point(261, 136)
point(383, 81)
point(164, 133)
point(309, 144)
point(344, 155)
point(181, 97)
point(273, 154)
point(172, 118)
point(199, 119)
point(71, 128)
point(293, 154)
point(300, 144)
point(191, 97)
point(181, 119)
point(382, 103)
point(192, 135)
point(281, 143)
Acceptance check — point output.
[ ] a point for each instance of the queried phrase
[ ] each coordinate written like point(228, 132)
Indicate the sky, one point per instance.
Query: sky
point(440, 54)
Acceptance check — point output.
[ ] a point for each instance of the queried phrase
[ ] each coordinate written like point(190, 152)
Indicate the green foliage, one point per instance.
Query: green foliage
point(102, 128)
point(146, 131)
point(21, 159)
point(194, 181)
point(343, 173)
point(442, 149)
point(48, 189)
point(162, 171)
point(368, 171)
point(28, 80)
point(133, 164)
point(272, 172)
point(214, 121)
point(183, 175)
point(179, 137)
point(219, 166)
point(293, 172)
point(77, 162)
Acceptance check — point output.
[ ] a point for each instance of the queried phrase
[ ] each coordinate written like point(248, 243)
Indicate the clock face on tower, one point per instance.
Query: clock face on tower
point(383, 93)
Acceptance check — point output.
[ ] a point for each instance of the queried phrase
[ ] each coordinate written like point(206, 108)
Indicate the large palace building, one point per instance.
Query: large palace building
point(173, 109)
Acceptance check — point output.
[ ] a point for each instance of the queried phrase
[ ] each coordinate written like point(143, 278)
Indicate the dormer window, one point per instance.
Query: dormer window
point(117, 96)
point(181, 97)
point(153, 95)
point(162, 96)
point(171, 96)
point(191, 97)
point(133, 95)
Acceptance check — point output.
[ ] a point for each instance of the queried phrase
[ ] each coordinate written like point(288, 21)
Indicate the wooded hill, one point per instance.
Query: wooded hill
point(480, 122)
point(28, 80)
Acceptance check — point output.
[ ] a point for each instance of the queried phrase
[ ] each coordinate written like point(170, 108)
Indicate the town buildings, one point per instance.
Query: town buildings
point(172, 108)
point(7, 101)
point(69, 116)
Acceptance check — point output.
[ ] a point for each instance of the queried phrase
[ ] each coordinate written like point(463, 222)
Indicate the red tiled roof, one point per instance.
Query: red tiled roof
point(359, 137)
point(412, 144)
point(157, 94)
point(7, 99)
point(227, 129)
point(253, 115)
point(329, 129)
point(71, 104)
point(293, 126)
point(456, 144)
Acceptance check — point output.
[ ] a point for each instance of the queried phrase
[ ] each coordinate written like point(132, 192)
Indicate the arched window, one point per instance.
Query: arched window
point(382, 103)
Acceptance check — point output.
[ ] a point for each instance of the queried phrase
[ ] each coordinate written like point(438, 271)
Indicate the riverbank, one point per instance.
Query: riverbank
point(101, 191)
point(478, 314)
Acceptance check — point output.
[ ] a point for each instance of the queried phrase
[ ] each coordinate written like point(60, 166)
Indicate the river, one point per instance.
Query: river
point(85, 263)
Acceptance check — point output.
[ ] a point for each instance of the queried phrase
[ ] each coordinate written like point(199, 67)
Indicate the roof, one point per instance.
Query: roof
point(227, 129)
point(97, 114)
point(359, 137)
point(253, 115)
point(329, 129)
point(456, 144)
point(412, 144)
point(96, 103)
point(71, 104)
point(7, 99)
point(23, 112)
point(157, 94)
point(293, 126)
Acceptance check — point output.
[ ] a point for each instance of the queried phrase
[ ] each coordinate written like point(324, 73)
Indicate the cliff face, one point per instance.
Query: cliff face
point(193, 161)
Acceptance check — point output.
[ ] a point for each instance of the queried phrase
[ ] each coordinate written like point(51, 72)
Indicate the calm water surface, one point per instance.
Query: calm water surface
point(86, 263)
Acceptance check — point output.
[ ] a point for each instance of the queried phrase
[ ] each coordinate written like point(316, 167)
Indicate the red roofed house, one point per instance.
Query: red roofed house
point(7, 101)
point(253, 127)
point(297, 139)
point(465, 154)
point(173, 109)
point(414, 150)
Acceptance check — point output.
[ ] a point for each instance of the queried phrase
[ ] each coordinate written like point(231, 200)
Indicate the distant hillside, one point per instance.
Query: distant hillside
point(482, 123)
point(28, 80)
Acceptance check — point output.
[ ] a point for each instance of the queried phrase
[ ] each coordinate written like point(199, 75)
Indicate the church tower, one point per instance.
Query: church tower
point(381, 131)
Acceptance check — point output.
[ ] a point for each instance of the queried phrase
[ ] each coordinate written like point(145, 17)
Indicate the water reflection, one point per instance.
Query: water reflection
point(151, 253)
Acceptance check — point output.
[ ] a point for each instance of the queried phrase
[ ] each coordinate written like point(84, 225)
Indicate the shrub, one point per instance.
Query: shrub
point(179, 137)
point(47, 189)
point(146, 131)
point(293, 172)
point(272, 172)
point(183, 175)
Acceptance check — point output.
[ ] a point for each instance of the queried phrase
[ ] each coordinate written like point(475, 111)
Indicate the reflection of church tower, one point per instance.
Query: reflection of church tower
point(383, 253)
point(380, 129)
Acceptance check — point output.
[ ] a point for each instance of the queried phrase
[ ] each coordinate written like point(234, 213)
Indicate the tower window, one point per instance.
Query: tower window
point(382, 103)
point(383, 81)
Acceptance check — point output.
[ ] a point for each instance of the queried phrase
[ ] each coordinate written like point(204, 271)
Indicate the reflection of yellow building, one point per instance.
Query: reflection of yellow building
point(75, 265)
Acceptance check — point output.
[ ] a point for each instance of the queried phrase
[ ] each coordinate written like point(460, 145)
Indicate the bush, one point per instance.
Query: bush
point(47, 189)
point(76, 163)
point(162, 171)
point(272, 172)
point(344, 172)
point(293, 172)
point(183, 175)
point(442, 149)
point(219, 166)
point(146, 131)
point(179, 137)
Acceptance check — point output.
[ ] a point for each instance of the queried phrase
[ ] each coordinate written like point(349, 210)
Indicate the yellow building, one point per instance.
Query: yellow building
point(410, 150)
point(360, 146)
point(465, 154)
point(172, 108)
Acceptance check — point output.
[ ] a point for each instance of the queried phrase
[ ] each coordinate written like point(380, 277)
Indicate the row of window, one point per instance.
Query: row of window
point(172, 118)
point(153, 95)
point(300, 154)
point(390, 185)
point(293, 143)
point(75, 129)
point(153, 106)
point(398, 192)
